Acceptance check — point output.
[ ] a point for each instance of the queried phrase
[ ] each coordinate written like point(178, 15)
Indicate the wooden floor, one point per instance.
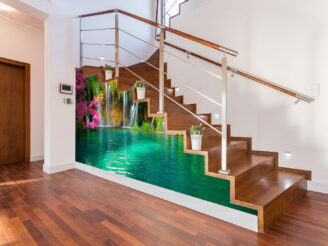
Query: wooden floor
point(76, 208)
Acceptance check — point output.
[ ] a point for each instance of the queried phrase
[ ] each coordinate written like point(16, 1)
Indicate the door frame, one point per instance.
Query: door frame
point(27, 124)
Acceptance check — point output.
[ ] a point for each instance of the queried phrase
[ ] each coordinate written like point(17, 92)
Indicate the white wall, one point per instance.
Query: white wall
point(22, 43)
point(283, 41)
point(59, 118)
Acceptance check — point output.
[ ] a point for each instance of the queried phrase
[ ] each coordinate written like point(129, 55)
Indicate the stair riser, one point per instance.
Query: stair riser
point(220, 129)
point(233, 153)
point(251, 176)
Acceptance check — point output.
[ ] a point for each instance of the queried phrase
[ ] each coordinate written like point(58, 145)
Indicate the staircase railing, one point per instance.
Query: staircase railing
point(223, 67)
point(273, 85)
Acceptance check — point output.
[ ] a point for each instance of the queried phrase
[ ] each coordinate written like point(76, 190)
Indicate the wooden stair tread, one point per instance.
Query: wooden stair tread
point(270, 187)
point(245, 163)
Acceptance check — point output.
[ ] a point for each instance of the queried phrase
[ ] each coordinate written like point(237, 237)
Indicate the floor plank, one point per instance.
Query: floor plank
point(76, 208)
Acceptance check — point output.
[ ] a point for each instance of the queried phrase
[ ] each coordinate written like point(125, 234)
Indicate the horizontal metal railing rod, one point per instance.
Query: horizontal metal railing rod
point(177, 80)
point(98, 29)
point(180, 58)
point(194, 64)
point(98, 44)
point(96, 59)
point(171, 99)
point(168, 29)
point(248, 76)
point(138, 38)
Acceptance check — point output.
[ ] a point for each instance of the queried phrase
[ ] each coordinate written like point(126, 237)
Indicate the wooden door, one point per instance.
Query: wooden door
point(14, 127)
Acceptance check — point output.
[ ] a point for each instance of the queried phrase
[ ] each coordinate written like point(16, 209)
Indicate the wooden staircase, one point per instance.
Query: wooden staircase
point(256, 180)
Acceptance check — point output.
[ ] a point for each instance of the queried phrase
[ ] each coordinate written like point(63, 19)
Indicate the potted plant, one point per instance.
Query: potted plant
point(141, 86)
point(196, 133)
point(108, 72)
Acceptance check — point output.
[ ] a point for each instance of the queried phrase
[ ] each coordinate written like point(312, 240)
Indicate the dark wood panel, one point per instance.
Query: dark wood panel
point(76, 208)
point(24, 98)
point(12, 123)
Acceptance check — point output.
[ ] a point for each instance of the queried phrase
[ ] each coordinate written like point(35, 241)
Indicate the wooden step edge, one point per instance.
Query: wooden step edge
point(236, 201)
point(192, 105)
point(250, 175)
point(271, 212)
point(300, 177)
point(248, 139)
point(306, 173)
point(268, 153)
point(255, 165)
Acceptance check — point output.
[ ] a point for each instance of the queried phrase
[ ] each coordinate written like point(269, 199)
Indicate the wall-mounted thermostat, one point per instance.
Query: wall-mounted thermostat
point(66, 89)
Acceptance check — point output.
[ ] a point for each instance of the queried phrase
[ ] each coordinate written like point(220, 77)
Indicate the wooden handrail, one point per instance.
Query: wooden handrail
point(248, 76)
point(168, 29)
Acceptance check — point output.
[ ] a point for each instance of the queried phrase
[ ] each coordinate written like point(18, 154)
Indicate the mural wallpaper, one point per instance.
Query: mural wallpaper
point(102, 105)
point(115, 134)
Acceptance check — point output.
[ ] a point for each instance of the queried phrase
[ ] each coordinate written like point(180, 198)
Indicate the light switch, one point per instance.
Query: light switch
point(68, 101)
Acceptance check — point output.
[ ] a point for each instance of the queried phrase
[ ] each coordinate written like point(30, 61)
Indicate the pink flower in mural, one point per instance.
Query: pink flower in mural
point(93, 111)
point(80, 85)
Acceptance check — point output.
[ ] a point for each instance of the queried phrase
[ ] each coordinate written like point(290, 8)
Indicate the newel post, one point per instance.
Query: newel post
point(117, 46)
point(161, 71)
point(224, 169)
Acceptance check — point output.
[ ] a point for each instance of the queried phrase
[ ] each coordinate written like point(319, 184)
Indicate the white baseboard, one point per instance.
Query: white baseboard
point(317, 187)
point(57, 169)
point(36, 158)
point(246, 220)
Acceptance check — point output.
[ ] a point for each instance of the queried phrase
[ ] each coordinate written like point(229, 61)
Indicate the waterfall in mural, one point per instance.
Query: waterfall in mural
point(133, 119)
point(102, 105)
point(124, 108)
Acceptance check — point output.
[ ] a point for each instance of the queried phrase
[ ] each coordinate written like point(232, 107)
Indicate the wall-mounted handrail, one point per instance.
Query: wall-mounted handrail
point(168, 29)
point(257, 79)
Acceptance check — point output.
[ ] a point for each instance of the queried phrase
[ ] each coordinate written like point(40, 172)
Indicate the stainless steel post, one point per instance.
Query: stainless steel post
point(224, 169)
point(117, 46)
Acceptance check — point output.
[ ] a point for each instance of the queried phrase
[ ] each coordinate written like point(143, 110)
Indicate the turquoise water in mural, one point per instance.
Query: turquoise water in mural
point(154, 158)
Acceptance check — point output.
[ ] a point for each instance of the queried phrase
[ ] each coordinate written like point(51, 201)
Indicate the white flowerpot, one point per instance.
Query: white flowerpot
point(108, 74)
point(141, 92)
point(196, 142)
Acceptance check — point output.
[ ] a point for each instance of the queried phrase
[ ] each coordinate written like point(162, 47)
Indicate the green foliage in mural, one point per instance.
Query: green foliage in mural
point(79, 125)
point(120, 95)
point(136, 128)
point(147, 127)
point(159, 124)
point(93, 86)
point(113, 86)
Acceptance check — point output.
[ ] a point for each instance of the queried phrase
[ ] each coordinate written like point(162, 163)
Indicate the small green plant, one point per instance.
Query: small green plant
point(108, 67)
point(140, 83)
point(147, 127)
point(197, 130)
point(136, 128)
